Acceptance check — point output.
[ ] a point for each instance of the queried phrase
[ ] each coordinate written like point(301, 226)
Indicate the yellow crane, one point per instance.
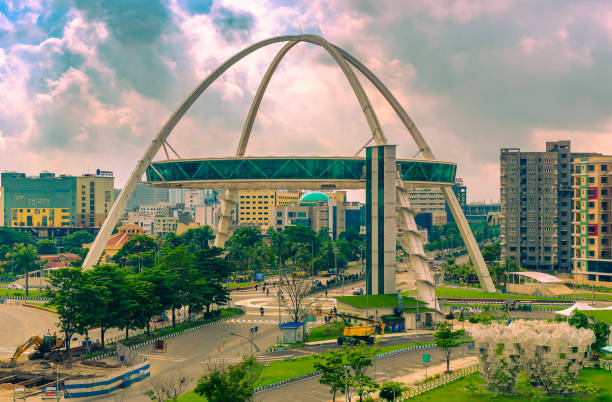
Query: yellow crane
point(42, 346)
point(357, 333)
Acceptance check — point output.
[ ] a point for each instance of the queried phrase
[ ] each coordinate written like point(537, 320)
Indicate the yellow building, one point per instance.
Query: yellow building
point(40, 217)
point(591, 217)
point(94, 198)
point(253, 206)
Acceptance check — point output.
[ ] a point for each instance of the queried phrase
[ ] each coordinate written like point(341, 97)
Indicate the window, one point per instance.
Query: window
point(604, 167)
point(604, 179)
point(591, 179)
point(591, 168)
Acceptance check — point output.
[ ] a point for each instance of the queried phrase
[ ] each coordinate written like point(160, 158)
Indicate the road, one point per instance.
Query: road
point(20, 323)
point(311, 390)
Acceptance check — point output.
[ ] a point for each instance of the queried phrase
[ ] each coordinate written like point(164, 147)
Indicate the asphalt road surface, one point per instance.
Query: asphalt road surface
point(19, 324)
point(385, 369)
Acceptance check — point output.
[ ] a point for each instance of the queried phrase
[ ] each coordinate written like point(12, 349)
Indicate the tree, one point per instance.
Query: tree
point(242, 246)
point(578, 320)
point(140, 246)
point(24, 260)
point(74, 242)
point(391, 390)
point(600, 329)
point(331, 365)
point(491, 252)
point(114, 304)
point(231, 384)
point(359, 358)
point(446, 339)
point(10, 237)
point(69, 297)
point(298, 298)
point(168, 388)
point(195, 238)
point(144, 303)
point(602, 333)
point(46, 247)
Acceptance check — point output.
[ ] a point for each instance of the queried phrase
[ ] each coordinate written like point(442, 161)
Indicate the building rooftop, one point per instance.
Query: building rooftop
point(314, 196)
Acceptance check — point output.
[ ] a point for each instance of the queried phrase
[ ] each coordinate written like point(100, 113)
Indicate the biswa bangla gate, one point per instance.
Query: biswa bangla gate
point(307, 173)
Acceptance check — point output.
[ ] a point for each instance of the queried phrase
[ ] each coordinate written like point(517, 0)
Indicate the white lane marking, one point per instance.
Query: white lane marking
point(157, 357)
point(242, 321)
point(235, 359)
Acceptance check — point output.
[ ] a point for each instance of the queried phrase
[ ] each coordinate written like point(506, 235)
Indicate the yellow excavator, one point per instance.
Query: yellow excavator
point(356, 334)
point(43, 346)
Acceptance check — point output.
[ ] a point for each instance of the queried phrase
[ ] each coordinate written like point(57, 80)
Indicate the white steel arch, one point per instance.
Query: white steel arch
point(405, 214)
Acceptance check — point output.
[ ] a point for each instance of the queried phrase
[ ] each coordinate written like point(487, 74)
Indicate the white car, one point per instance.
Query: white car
point(15, 286)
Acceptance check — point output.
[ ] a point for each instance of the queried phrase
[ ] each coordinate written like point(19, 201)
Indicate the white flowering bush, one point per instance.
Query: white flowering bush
point(551, 354)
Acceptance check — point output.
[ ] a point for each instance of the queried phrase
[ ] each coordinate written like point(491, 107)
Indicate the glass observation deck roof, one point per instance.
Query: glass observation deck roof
point(291, 172)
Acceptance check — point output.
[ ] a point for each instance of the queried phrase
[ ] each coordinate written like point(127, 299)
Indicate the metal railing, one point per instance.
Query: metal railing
point(434, 383)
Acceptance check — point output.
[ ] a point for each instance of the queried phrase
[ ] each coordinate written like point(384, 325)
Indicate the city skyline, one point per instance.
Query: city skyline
point(83, 81)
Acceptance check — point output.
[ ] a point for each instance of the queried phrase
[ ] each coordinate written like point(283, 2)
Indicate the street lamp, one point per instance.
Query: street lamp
point(251, 343)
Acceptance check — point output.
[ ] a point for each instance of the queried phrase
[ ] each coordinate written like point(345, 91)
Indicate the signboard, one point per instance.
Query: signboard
point(106, 173)
point(259, 276)
point(426, 358)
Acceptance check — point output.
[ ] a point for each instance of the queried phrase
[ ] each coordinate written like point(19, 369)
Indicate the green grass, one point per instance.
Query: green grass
point(463, 293)
point(327, 331)
point(191, 396)
point(43, 305)
point(591, 296)
point(456, 391)
point(241, 285)
point(19, 293)
point(375, 301)
point(285, 369)
point(601, 315)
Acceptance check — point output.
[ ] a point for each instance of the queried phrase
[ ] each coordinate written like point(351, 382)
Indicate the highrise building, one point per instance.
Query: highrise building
point(47, 201)
point(535, 205)
point(253, 207)
point(592, 228)
point(147, 195)
point(429, 200)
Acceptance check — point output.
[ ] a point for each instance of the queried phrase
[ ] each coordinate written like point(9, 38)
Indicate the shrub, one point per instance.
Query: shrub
point(391, 391)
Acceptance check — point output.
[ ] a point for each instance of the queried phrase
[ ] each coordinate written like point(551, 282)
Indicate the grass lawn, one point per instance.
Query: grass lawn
point(375, 301)
point(43, 305)
point(19, 293)
point(241, 285)
point(327, 331)
point(590, 296)
point(190, 396)
point(456, 391)
point(285, 369)
point(601, 315)
point(463, 293)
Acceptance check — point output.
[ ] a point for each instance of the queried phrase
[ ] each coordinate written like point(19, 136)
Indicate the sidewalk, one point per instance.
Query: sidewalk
point(391, 335)
point(419, 375)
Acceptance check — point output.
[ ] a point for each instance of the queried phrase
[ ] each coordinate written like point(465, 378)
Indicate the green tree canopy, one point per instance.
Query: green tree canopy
point(231, 384)
point(46, 247)
point(447, 339)
point(75, 241)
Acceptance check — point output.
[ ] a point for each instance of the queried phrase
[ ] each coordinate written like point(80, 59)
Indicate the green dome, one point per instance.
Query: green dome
point(314, 196)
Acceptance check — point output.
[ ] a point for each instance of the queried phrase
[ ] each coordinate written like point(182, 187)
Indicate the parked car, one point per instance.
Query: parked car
point(15, 286)
point(358, 291)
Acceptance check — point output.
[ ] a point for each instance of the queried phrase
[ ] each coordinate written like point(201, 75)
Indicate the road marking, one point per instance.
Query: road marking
point(236, 359)
point(157, 357)
point(242, 321)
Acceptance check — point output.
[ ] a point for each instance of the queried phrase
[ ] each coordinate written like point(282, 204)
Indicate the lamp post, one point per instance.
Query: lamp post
point(251, 344)
point(312, 262)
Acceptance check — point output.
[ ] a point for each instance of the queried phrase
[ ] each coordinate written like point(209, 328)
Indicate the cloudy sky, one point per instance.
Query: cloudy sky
point(86, 86)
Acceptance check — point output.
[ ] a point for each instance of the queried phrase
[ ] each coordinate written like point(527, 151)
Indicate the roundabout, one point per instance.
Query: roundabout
point(237, 172)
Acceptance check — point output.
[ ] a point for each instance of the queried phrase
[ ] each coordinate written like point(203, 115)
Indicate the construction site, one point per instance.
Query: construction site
point(42, 363)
